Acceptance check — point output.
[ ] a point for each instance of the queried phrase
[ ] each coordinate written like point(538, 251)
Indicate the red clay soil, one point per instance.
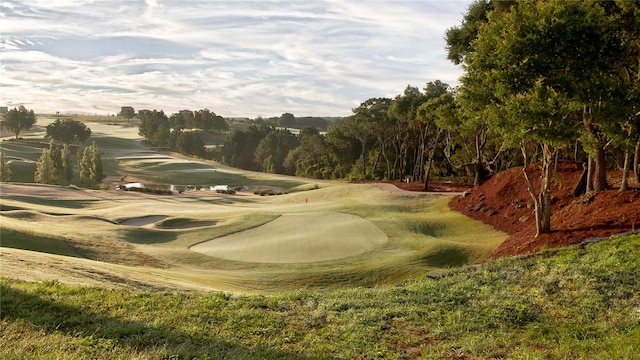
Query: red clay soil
point(504, 203)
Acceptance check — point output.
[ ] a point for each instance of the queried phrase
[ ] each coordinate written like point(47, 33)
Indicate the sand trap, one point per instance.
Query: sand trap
point(144, 220)
point(298, 238)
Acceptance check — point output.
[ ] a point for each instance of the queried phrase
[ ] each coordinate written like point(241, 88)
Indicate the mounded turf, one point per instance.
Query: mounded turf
point(320, 235)
point(298, 238)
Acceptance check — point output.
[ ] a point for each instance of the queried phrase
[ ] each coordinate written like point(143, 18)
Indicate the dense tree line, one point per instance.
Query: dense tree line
point(180, 131)
point(543, 80)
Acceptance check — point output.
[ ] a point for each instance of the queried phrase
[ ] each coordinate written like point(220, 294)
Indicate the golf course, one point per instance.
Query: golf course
point(315, 234)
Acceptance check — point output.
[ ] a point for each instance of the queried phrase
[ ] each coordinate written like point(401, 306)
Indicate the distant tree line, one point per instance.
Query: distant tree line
point(543, 81)
point(181, 131)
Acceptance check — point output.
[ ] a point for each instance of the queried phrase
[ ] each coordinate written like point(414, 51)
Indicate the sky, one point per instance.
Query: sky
point(235, 58)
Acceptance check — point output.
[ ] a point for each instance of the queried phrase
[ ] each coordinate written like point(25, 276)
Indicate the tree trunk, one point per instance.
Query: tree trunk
point(625, 170)
point(581, 186)
point(636, 163)
point(600, 175)
point(545, 192)
point(478, 166)
point(589, 187)
point(542, 201)
point(432, 153)
point(363, 156)
point(478, 173)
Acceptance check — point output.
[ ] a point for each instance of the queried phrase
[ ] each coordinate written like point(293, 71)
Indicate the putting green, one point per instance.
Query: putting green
point(298, 238)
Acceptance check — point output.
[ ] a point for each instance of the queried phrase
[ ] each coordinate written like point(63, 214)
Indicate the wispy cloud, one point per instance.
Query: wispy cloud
point(236, 58)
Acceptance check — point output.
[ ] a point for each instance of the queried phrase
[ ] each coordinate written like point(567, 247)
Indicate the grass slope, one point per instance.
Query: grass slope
point(340, 236)
point(574, 303)
point(390, 236)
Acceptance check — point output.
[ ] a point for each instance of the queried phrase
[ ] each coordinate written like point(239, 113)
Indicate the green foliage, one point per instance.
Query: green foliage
point(18, 119)
point(90, 164)
point(5, 169)
point(68, 131)
point(580, 302)
point(67, 164)
point(46, 168)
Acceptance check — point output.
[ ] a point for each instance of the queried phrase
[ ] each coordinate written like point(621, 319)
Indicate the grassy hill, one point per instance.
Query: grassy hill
point(574, 303)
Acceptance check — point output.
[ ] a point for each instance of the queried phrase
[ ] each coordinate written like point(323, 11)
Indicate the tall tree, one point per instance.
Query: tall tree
point(67, 164)
point(363, 124)
point(17, 120)
point(90, 164)
point(209, 121)
point(46, 172)
point(310, 159)
point(273, 149)
point(531, 59)
point(5, 169)
point(155, 127)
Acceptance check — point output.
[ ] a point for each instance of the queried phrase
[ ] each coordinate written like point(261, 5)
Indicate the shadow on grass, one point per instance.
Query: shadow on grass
point(63, 203)
point(54, 317)
point(446, 256)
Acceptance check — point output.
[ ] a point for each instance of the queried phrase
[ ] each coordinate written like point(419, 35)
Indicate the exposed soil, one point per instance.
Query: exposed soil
point(504, 202)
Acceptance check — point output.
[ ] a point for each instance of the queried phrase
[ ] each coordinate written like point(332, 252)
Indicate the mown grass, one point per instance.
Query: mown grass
point(28, 241)
point(423, 234)
point(575, 303)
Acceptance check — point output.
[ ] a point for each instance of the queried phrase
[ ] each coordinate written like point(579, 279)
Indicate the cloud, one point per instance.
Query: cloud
point(236, 58)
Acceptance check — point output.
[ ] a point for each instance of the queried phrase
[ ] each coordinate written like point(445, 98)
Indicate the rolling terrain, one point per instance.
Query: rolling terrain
point(318, 235)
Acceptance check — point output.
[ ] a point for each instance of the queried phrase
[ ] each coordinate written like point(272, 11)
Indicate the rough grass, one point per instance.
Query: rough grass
point(576, 303)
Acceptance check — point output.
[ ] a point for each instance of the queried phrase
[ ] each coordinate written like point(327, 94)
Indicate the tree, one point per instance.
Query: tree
point(362, 125)
point(46, 172)
point(127, 112)
point(190, 143)
point(240, 146)
point(287, 120)
point(460, 38)
point(209, 121)
point(155, 127)
point(67, 165)
point(16, 120)
point(90, 164)
point(68, 131)
point(529, 61)
point(431, 115)
point(5, 169)
point(273, 149)
point(342, 148)
point(310, 159)
point(404, 110)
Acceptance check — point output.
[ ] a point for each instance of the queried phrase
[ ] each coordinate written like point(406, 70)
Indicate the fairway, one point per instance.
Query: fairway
point(317, 234)
point(298, 238)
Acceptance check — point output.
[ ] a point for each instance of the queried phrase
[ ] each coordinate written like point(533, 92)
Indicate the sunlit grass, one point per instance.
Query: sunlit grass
point(578, 303)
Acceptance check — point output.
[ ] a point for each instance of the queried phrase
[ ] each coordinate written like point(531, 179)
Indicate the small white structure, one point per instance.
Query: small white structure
point(130, 186)
point(220, 188)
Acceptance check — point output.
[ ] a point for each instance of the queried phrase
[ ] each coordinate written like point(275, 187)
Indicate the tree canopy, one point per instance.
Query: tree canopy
point(68, 131)
point(18, 119)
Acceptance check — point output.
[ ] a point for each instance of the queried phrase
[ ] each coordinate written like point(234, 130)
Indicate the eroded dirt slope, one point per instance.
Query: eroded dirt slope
point(504, 202)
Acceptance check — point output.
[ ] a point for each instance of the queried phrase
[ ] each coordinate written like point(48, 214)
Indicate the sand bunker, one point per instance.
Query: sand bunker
point(298, 238)
point(144, 221)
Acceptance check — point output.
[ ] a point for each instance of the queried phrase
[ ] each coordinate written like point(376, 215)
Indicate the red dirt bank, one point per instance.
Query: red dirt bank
point(504, 202)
